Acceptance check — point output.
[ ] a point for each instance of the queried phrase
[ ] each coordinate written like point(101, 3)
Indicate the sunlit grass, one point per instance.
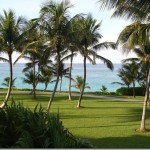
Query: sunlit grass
point(108, 124)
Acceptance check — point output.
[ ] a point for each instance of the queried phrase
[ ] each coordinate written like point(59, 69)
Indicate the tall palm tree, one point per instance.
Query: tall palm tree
point(136, 10)
point(71, 46)
point(10, 41)
point(55, 24)
point(73, 51)
point(88, 43)
point(33, 50)
point(33, 58)
point(136, 37)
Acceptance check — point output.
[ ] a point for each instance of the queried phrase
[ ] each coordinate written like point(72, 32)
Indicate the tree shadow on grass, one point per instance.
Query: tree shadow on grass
point(134, 141)
point(39, 98)
point(101, 126)
point(135, 114)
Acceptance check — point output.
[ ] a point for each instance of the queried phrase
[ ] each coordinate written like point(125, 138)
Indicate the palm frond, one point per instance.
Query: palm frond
point(105, 45)
point(106, 61)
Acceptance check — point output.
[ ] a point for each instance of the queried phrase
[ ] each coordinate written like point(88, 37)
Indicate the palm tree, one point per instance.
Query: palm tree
point(55, 23)
point(136, 37)
point(33, 50)
point(63, 72)
point(88, 43)
point(79, 82)
point(73, 53)
point(10, 41)
point(135, 34)
point(103, 89)
point(124, 78)
point(6, 82)
point(29, 78)
point(47, 76)
point(73, 50)
point(33, 58)
point(131, 71)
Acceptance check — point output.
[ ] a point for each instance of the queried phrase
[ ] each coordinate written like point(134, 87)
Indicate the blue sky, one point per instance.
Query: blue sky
point(110, 29)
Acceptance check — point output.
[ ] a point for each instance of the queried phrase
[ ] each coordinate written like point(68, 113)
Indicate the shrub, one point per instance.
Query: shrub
point(139, 91)
point(22, 128)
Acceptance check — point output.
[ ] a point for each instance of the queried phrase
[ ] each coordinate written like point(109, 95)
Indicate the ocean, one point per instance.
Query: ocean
point(97, 75)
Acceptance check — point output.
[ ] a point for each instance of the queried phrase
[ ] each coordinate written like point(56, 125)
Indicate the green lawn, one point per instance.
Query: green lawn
point(106, 123)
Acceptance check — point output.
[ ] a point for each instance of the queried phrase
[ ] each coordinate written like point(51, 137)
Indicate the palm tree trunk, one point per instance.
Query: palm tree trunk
point(70, 76)
point(10, 83)
point(45, 86)
point(81, 95)
point(133, 89)
point(60, 84)
point(34, 94)
point(143, 126)
point(56, 84)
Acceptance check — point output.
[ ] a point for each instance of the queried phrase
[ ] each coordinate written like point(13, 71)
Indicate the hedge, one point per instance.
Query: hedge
point(139, 91)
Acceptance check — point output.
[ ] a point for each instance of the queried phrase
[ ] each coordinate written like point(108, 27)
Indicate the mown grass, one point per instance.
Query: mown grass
point(106, 123)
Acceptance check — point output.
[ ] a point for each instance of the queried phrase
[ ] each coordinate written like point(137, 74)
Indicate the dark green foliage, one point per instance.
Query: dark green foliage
point(139, 91)
point(22, 128)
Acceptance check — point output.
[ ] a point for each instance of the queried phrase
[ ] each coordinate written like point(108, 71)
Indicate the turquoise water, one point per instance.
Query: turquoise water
point(97, 75)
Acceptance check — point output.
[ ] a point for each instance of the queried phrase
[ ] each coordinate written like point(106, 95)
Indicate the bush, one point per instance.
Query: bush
point(22, 128)
point(139, 91)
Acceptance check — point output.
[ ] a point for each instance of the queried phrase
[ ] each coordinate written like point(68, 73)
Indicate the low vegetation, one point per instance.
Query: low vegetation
point(106, 123)
point(22, 128)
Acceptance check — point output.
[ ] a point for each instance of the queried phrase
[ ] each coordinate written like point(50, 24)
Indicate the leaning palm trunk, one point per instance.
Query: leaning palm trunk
point(10, 83)
point(70, 76)
point(56, 84)
point(84, 81)
point(142, 127)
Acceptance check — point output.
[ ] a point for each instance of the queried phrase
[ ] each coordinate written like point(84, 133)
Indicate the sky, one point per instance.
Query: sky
point(110, 28)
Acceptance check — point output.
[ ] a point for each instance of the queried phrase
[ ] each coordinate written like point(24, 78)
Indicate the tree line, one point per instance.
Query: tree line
point(49, 40)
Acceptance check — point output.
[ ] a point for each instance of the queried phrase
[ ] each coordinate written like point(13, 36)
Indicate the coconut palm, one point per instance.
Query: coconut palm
point(136, 37)
point(33, 50)
point(30, 78)
point(33, 58)
point(10, 40)
point(88, 43)
point(63, 72)
point(73, 51)
point(79, 82)
point(142, 75)
point(46, 77)
point(6, 82)
point(71, 46)
point(131, 71)
point(124, 78)
point(55, 24)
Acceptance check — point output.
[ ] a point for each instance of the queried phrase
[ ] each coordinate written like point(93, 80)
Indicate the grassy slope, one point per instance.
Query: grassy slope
point(108, 124)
